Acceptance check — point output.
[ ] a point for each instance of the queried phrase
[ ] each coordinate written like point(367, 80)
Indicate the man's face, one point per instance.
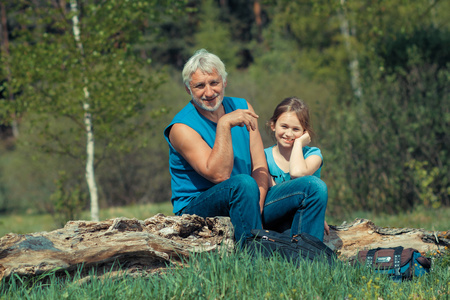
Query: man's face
point(207, 90)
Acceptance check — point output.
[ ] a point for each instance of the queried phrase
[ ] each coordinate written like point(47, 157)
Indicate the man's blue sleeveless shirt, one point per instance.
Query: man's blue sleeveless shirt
point(186, 182)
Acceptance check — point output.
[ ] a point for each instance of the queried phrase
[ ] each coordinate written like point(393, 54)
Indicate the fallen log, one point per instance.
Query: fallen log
point(363, 234)
point(132, 244)
point(161, 241)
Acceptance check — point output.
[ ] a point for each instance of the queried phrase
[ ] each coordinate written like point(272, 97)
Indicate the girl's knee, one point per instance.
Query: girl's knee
point(314, 184)
point(319, 188)
point(322, 191)
point(322, 188)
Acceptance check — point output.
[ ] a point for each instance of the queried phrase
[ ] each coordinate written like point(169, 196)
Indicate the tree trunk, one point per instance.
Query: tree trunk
point(363, 234)
point(354, 65)
point(90, 175)
point(258, 19)
point(142, 247)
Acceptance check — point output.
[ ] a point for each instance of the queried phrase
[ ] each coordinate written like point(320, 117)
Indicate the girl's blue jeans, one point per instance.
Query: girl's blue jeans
point(297, 206)
point(237, 198)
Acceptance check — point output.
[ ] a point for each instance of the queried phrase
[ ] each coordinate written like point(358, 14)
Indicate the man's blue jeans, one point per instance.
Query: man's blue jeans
point(297, 206)
point(237, 198)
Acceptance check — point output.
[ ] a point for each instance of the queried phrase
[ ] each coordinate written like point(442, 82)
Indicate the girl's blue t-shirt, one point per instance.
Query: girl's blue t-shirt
point(278, 175)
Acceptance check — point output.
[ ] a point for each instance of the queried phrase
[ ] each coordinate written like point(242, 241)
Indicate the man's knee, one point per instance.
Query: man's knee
point(244, 188)
point(243, 181)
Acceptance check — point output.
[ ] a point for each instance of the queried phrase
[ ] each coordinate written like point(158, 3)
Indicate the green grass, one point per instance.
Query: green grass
point(238, 276)
point(235, 276)
point(429, 219)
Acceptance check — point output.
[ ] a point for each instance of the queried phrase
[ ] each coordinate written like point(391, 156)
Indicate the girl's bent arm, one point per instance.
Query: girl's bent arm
point(298, 165)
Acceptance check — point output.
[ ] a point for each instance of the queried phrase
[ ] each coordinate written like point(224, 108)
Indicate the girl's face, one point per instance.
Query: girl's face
point(287, 128)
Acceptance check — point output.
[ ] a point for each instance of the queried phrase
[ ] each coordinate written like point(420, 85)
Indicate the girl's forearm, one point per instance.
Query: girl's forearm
point(297, 163)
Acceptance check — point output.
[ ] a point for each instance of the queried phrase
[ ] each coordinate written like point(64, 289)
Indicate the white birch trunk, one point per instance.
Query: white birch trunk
point(354, 65)
point(90, 177)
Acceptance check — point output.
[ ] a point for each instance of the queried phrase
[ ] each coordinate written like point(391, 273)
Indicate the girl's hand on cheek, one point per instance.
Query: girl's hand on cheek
point(305, 139)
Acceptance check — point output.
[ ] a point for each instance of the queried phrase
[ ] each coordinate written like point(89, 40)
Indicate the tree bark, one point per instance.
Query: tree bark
point(143, 247)
point(90, 175)
point(258, 19)
point(363, 234)
point(354, 64)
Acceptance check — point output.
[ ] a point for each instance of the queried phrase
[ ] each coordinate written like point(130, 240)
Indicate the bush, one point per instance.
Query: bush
point(392, 144)
point(68, 200)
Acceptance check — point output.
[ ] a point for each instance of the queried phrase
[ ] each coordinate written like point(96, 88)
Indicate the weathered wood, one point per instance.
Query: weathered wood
point(158, 242)
point(149, 244)
point(363, 234)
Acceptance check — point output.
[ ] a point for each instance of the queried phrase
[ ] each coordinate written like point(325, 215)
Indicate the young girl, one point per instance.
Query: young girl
point(293, 164)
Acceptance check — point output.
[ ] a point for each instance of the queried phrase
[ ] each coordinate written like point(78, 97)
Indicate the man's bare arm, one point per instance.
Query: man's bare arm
point(215, 164)
point(260, 171)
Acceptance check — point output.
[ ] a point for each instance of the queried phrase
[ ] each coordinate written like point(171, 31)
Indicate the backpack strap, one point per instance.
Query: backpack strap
point(370, 257)
point(397, 262)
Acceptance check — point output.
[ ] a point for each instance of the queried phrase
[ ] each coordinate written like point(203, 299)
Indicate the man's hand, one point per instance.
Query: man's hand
point(240, 117)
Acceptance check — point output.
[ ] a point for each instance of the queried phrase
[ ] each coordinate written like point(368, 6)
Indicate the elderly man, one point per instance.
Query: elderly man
point(218, 165)
point(217, 160)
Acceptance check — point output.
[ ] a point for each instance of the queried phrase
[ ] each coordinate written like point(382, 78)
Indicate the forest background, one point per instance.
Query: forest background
point(90, 85)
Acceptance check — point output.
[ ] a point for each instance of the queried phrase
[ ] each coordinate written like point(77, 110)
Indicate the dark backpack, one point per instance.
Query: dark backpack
point(397, 262)
point(301, 247)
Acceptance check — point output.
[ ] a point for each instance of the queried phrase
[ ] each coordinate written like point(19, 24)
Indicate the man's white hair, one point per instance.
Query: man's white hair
point(204, 61)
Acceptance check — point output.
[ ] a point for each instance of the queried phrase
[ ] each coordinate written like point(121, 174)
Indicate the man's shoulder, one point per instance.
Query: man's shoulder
point(187, 111)
point(235, 103)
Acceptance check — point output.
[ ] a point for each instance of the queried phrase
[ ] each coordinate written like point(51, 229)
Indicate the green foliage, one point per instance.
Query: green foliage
point(26, 178)
point(137, 176)
point(68, 200)
point(384, 151)
point(215, 36)
point(305, 37)
point(398, 154)
point(53, 82)
point(424, 45)
point(51, 75)
point(424, 178)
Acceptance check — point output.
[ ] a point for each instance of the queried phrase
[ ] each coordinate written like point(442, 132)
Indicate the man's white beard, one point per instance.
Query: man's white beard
point(207, 108)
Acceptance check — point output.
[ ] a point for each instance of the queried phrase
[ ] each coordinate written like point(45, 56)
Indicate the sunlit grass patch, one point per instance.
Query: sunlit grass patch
point(26, 223)
point(426, 218)
point(32, 222)
point(237, 276)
